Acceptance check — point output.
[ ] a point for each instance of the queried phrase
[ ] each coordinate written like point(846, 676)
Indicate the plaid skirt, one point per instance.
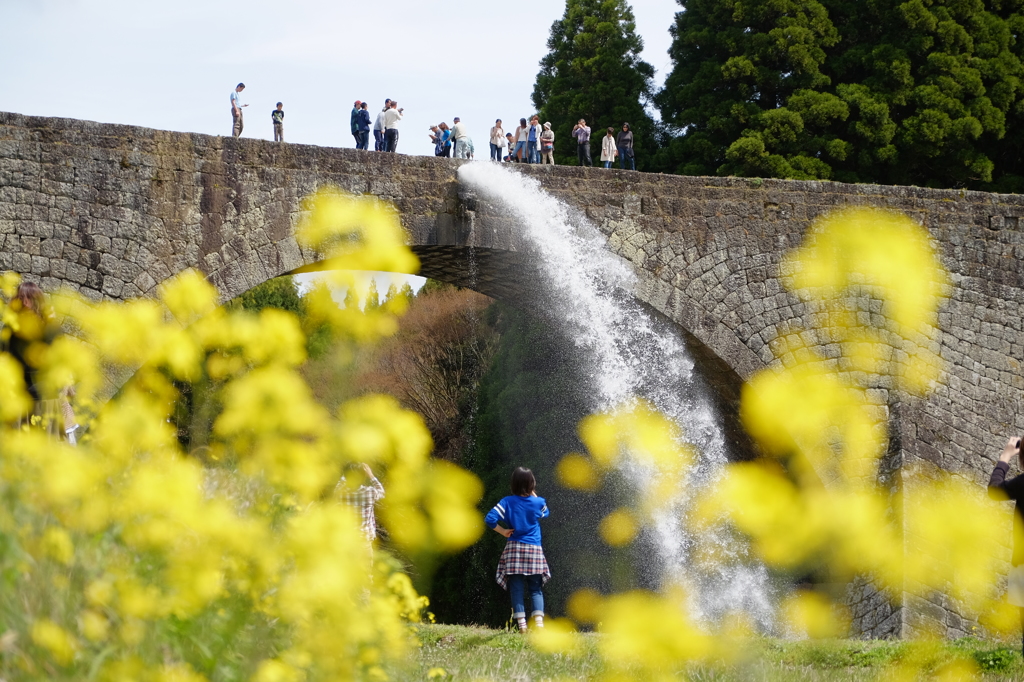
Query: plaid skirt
point(519, 558)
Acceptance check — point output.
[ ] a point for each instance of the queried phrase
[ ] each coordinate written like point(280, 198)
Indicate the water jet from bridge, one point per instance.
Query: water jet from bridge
point(632, 355)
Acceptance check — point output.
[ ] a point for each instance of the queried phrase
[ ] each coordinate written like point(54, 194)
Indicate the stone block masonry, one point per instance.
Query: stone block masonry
point(112, 211)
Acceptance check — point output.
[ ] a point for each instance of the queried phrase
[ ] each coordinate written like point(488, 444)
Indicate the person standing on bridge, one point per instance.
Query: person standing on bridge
point(581, 131)
point(236, 110)
point(459, 134)
point(391, 118)
point(608, 148)
point(446, 139)
point(624, 142)
point(547, 145)
point(521, 135)
point(363, 137)
point(277, 116)
point(533, 140)
point(353, 121)
point(498, 141)
point(378, 128)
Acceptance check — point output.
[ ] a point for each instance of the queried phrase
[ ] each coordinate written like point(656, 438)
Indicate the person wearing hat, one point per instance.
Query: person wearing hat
point(354, 122)
point(547, 145)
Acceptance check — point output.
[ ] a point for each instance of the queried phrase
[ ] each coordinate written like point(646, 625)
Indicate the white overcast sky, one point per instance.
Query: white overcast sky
point(173, 64)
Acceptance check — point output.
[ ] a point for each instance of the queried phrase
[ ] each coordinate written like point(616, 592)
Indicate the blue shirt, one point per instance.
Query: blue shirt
point(522, 514)
point(236, 99)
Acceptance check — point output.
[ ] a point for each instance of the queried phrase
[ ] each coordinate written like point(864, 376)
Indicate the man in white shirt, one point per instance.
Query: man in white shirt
point(236, 110)
point(391, 118)
point(459, 134)
point(378, 128)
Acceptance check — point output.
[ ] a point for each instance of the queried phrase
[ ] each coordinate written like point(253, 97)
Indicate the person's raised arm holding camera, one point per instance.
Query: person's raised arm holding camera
point(999, 488)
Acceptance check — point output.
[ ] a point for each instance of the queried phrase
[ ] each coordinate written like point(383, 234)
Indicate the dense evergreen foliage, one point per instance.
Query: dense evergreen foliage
point(280, 293)
point(594, 72)
point(924, 92)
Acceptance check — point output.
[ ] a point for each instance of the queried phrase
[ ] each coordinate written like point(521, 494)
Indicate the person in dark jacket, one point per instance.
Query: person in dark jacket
point(1001, 489)
point(363, 127)
point(624, 143)
point(354, 121)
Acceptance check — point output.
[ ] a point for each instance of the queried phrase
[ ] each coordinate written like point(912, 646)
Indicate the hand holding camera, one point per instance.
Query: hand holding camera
point(1011, 450)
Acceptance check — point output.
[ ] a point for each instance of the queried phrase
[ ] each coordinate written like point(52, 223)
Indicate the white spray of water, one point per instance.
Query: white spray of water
point(633, 355)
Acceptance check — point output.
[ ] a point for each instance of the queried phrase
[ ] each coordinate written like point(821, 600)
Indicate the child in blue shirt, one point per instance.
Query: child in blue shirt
point(522, 565)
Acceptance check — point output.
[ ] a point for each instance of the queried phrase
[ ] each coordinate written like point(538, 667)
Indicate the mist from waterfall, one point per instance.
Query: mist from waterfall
point(632, 354)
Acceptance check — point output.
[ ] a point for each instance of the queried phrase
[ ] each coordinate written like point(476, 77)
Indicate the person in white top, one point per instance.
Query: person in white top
point(460, 135)
point(608, 149)
point(521, 135)
point(498, 141)
point(391, 118)
point(547, 145)
point(378, 128)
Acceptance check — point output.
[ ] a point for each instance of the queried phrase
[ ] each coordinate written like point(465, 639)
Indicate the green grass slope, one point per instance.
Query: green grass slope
point(453, 653)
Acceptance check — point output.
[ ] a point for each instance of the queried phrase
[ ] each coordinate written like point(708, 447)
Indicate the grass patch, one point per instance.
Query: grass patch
point(476, 653)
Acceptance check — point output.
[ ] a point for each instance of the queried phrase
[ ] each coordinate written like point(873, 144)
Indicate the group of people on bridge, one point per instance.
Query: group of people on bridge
point(531, 142)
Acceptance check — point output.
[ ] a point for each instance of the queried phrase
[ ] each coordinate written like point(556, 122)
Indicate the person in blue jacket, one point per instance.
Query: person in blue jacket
point(522, 566)
point(363, 125)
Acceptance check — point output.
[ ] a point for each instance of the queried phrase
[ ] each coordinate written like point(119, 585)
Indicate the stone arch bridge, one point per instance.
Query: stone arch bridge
point(113, 210)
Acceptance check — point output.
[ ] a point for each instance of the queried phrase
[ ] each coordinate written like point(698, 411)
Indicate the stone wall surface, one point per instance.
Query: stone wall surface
point(112, 211)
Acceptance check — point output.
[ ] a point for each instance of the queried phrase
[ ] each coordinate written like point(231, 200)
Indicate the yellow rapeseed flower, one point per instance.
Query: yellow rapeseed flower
point(58, 643)
point(618, 528)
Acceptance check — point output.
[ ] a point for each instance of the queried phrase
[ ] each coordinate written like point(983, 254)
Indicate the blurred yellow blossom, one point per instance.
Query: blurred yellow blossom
point(649, 635)
point(56, 640)
point(618, 528)
point(189, 296)
point(94, 626)
point(584, 606)
point(557, 636)
point(812, 615)
point(57, 545)
point(14, 398)
point(576, 472)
